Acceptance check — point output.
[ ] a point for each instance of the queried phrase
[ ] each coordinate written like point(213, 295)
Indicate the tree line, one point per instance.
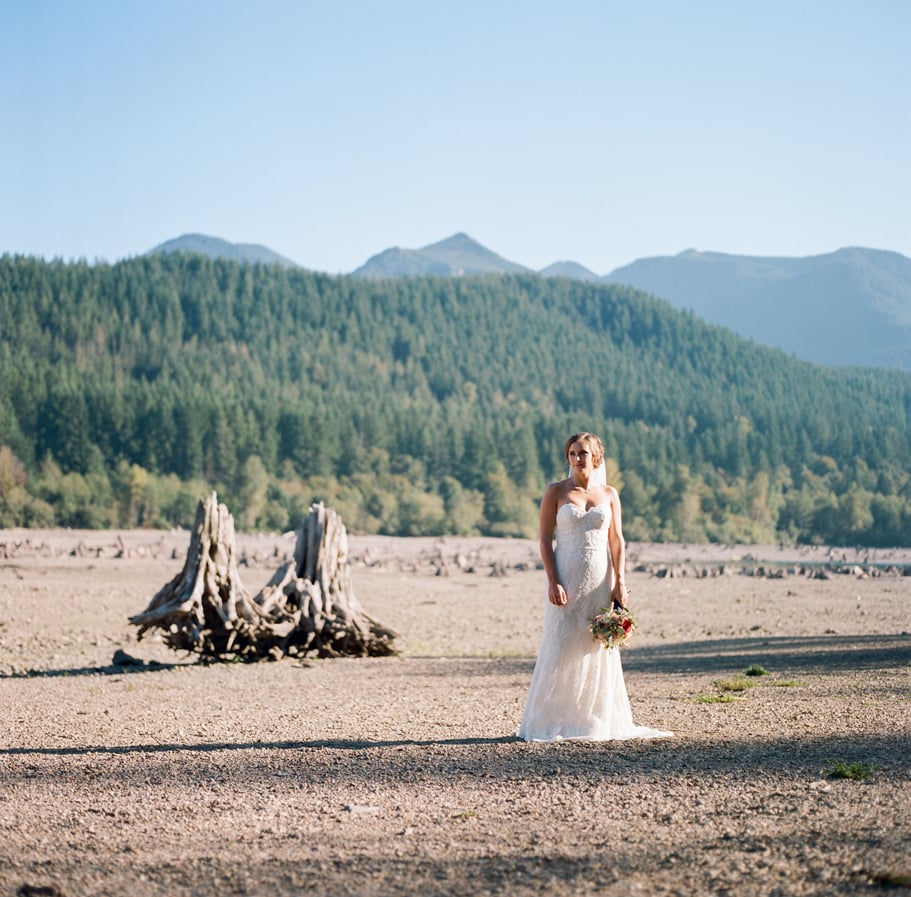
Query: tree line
point(422, 406)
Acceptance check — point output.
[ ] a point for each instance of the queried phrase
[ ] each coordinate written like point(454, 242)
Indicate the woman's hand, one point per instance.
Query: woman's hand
point(556, 594)
point(619, 594)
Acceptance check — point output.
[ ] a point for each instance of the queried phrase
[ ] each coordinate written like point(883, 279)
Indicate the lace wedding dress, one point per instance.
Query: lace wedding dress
point(577, 689)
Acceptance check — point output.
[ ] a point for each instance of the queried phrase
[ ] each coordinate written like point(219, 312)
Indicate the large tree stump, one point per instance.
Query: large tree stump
point(312, 600)
point(206, 608)
point(307, 607)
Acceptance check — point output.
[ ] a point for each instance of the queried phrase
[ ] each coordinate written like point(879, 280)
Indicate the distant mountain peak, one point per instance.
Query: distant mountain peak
point(571, 270)
point(460, 240)
point(454, 256)
point(216, 247)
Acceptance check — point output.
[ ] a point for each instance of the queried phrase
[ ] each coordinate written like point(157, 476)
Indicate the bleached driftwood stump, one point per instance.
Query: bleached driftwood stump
point(308, 607)
point(312, 596)
point(206, 608)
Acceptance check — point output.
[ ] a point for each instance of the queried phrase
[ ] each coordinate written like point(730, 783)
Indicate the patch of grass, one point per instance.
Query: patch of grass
point(756, 670)
point(738, 683)
point(856, 771)
point(715, 699)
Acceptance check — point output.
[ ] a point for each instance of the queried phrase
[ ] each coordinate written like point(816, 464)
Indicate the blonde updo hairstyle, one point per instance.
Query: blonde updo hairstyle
point(592, 441)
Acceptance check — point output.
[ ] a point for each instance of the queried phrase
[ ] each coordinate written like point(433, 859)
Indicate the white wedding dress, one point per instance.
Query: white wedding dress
point(577, 689)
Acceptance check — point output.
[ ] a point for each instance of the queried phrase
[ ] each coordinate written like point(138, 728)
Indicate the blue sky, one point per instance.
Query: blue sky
point(599, 131)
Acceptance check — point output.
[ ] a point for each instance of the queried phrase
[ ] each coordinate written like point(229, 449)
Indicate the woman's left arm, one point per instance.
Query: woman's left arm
point(617, 549)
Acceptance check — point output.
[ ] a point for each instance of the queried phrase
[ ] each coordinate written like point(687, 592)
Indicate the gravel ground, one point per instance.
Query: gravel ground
point(403, 776)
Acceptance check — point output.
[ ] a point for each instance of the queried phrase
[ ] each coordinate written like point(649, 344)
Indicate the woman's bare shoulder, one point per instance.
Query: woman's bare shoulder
point(554, 493)
point(611, 496)
point(558, 486)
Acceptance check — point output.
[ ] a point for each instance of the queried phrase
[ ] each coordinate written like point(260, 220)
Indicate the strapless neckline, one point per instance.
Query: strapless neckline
point(583, 511)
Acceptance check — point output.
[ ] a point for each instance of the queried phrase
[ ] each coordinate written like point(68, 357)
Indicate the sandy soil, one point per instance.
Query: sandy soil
point(402, 775)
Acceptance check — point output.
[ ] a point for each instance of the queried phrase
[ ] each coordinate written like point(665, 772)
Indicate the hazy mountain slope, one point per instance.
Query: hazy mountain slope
point(573, 270)
point(215, 247)
point(456, 255)
point(850, 307)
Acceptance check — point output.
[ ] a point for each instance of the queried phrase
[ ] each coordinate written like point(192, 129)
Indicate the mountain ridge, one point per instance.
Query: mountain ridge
point(458, 255)
point(216, 247)
point(847, 307)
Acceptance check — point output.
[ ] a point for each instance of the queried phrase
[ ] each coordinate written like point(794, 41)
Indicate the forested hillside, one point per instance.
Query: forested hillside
point(422, 405)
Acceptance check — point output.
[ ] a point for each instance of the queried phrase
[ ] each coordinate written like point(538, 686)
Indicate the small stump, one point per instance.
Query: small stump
point(312, 596)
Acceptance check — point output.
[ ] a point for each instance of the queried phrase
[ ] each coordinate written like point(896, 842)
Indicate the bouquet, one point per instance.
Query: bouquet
point(613, 626)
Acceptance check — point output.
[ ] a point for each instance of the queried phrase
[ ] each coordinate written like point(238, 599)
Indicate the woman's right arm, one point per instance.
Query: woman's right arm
point(555, 591)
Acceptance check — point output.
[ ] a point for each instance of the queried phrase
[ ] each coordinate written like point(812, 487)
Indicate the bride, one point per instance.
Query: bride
point(577, 689)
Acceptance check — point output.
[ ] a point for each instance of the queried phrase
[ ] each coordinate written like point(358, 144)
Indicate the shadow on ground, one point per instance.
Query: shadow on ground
point(337, 762)
point(816, 654)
